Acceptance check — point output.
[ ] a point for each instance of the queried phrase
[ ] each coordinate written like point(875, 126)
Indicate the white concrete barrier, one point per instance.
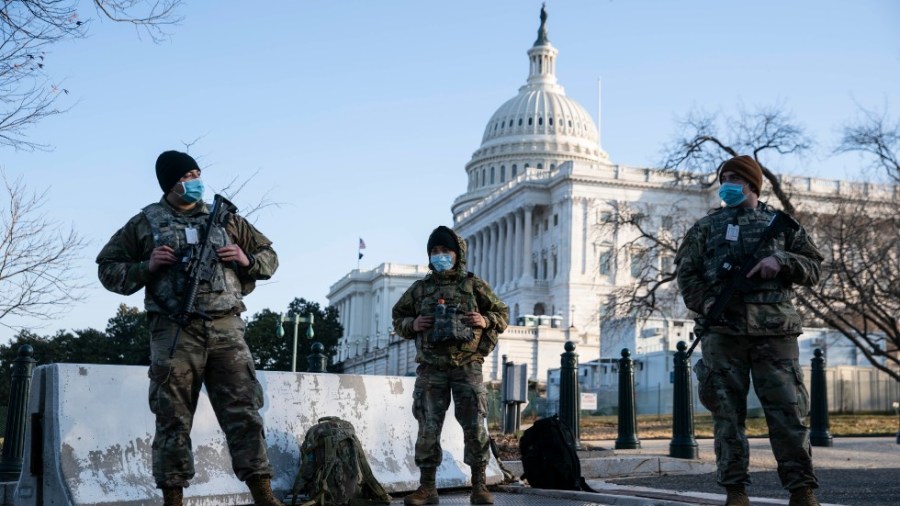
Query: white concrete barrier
point(90, 431)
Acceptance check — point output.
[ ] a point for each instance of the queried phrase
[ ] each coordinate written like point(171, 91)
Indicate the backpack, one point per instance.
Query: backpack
point(334, 470)
point(549, 458)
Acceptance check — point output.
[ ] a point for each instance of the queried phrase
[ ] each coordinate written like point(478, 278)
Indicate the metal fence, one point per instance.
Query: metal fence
point(851, 389)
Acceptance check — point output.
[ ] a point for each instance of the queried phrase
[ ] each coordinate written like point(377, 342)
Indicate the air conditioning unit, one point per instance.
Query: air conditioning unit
point(651, 332)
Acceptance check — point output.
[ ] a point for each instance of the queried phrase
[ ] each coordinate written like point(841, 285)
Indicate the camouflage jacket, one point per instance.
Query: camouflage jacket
point(765, 309)
point(123, 264)
point(460, 289)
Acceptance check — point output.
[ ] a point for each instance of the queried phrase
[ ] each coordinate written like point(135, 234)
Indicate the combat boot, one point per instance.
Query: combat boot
point(427, 491)
point(261, 490)
point(173, 496)
point(480, 493)
point(803, 496)
point(737, 496)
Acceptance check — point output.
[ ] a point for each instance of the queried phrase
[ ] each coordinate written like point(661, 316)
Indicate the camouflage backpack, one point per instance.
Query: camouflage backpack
point(334, 470)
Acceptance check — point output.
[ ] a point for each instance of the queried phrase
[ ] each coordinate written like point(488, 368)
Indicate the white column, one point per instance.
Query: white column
point(493, 255)
point(565, 230)
point(511, 249)
point(584, 235)
point(518, 247)
point(526, 250)
point(502, 233)
point(474, 246)
point(482, 246)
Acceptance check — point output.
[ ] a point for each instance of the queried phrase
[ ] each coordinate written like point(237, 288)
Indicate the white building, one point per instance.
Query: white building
point(540, 189)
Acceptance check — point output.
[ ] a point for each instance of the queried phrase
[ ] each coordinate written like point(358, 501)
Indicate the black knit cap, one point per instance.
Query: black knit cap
point(171, 166)
point(443, 236)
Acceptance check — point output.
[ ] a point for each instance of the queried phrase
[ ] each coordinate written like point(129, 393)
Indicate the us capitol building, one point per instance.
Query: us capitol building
point(540, 188)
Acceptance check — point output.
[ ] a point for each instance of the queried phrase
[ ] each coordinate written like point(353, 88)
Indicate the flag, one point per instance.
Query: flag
point(362, 246)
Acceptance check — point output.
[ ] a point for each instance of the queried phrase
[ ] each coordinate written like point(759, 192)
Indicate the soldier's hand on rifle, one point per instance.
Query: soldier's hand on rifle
point(161, 256)
point(767, 268)
point(423, 322)
point(474, 319)
point(233, 253)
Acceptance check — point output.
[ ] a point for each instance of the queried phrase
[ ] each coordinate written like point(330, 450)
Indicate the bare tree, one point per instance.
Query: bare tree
point(873, 136)
point(37, 257)
point(648, 248)
point(28, 28)
point(859, 295)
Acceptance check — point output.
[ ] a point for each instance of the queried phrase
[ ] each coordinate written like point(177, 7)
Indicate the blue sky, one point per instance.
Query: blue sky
point(359, 116)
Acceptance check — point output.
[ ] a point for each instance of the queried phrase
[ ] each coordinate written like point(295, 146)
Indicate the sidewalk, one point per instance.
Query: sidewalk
point(855, 471)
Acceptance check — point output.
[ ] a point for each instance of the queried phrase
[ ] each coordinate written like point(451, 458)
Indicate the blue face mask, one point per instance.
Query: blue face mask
point(442, 262)
point(193, 190)
point(732, 194)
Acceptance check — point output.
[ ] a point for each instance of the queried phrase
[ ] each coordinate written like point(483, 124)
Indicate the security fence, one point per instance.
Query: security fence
point(851, 389)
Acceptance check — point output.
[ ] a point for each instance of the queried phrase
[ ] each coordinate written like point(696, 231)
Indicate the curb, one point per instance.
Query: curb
point(630, 466)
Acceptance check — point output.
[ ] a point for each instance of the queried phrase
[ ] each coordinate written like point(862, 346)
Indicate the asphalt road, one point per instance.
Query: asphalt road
point(855, 471)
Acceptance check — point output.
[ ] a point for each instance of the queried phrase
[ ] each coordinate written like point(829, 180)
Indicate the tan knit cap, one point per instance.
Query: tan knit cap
point(746, 167)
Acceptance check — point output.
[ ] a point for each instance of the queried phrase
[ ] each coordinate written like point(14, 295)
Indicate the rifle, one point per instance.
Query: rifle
point(200, 267)
point(738, 282)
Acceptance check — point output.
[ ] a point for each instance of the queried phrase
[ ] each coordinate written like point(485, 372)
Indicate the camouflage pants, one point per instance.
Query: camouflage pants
point(431, 399)
point(724, 375)
point(212, 353)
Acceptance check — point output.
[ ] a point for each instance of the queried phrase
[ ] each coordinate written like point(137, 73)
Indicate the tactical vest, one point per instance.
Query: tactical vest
point(458, 293)
point(752, 224)
point(166, 292)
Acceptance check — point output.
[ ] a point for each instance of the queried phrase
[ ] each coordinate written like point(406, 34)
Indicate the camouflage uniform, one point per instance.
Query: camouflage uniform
point(209, 352)
point(451, 367)
point(760, 341)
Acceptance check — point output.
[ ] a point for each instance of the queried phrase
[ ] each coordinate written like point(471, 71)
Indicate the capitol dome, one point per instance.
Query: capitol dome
point(539, 128)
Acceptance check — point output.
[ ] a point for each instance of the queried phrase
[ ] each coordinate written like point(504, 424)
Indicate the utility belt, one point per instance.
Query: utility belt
point(216, 315)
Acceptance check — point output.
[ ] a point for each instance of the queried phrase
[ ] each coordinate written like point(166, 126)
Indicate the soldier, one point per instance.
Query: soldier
point(757, 335)
point(145, 253)
point(455, 317)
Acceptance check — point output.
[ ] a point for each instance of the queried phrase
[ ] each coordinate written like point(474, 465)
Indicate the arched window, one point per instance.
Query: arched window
point(530, 121)
point(492, 175)
point(510, 123)
point(502, 173)
point(550, 120)
point(514, 170)
point(540, 121)
point(538, 309)
point(540, 166)
point(482, 177)
point(520, 121)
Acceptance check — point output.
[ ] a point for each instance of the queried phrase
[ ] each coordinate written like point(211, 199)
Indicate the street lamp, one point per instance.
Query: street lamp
point(296, 320)
point(572, 318)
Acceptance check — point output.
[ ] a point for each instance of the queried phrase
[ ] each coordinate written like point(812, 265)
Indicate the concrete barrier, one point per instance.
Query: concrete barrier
point(90, 431)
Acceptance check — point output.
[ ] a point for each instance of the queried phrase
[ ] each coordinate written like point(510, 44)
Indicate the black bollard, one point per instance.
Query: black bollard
point(627, 439)
point(818, 412)
point(683, 444)
point(14, 438)
point(317, 360)
point(569, 396)
point(504, 407)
